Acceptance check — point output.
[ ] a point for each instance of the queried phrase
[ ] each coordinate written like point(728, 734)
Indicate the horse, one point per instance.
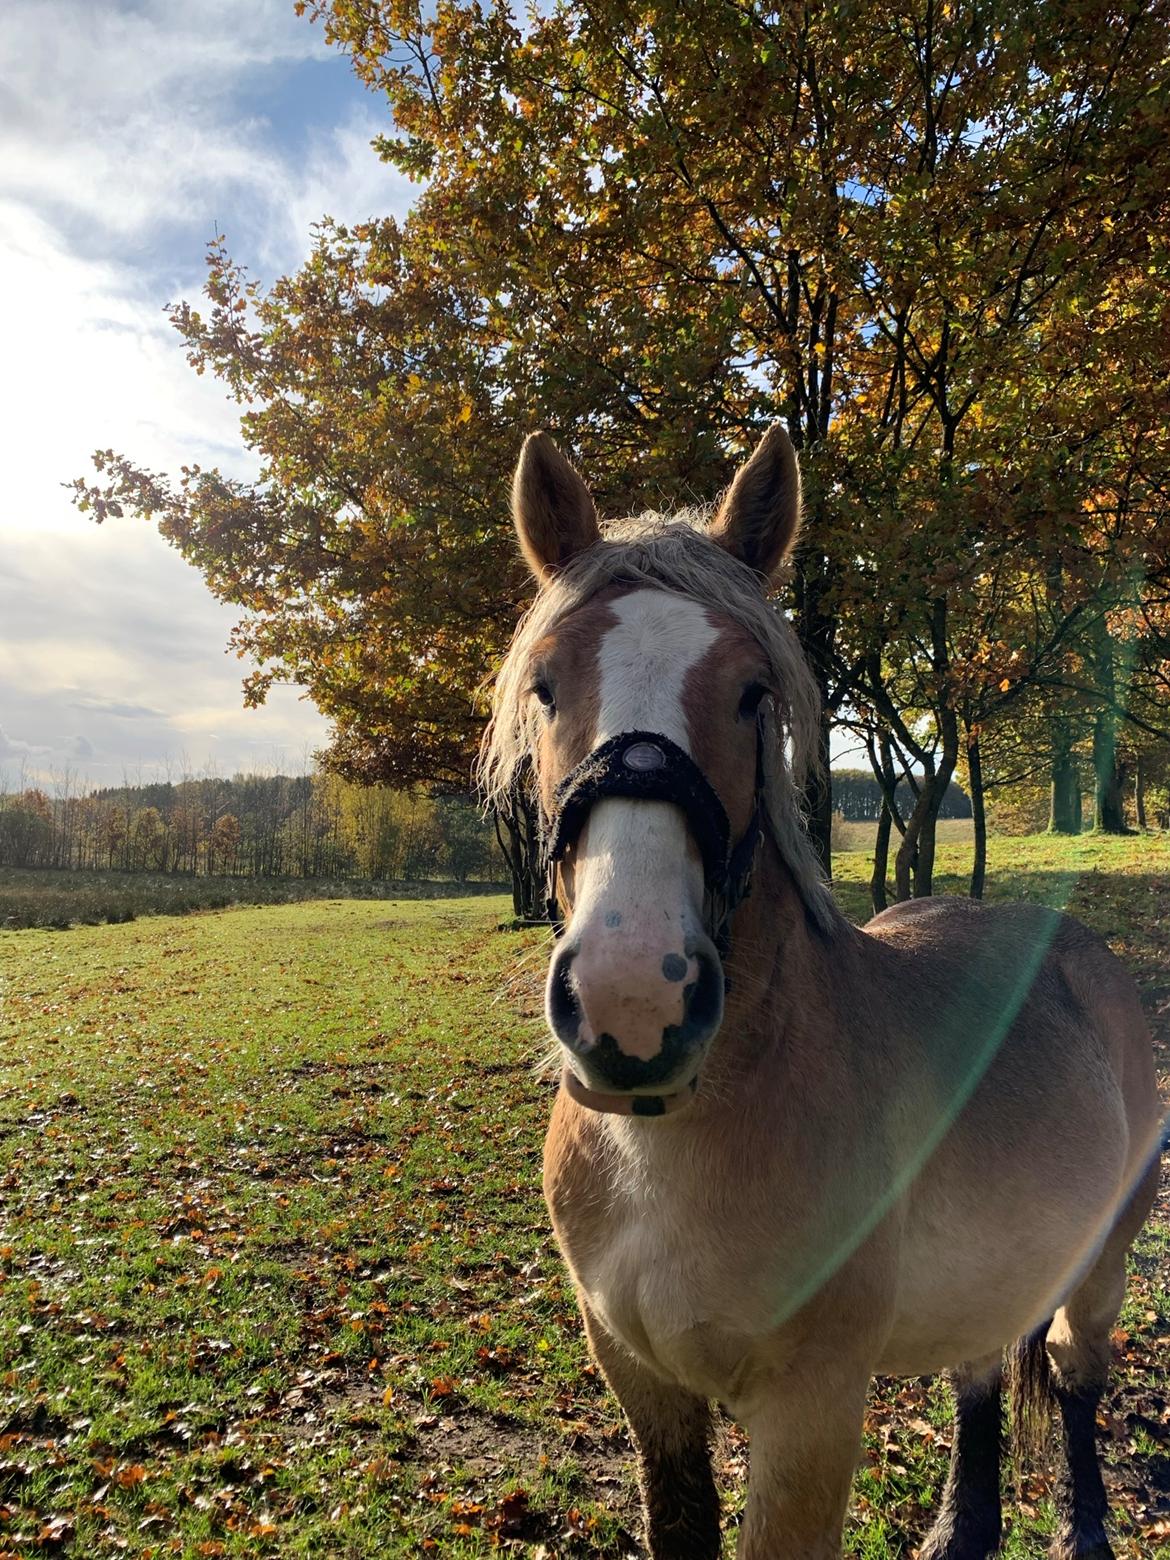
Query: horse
point(788, 1154)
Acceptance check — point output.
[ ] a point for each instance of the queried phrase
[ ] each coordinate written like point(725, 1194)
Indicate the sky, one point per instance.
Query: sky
point(129, 134)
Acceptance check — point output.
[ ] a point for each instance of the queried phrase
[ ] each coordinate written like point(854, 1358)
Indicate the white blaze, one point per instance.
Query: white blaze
point(644, 661)
point(637, 887)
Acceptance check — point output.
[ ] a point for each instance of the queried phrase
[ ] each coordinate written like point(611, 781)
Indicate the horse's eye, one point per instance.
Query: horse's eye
point(545, 694)
point(753, 696)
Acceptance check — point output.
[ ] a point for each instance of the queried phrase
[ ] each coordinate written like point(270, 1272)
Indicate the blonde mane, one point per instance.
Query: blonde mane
point(673, 553)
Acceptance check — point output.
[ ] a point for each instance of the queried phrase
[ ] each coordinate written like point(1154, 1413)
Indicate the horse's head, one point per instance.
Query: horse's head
point(643, 699)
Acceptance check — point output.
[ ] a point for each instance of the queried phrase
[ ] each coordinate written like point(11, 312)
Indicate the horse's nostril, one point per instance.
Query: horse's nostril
point(674, 967)
point(564, 1011)
point(703, 998)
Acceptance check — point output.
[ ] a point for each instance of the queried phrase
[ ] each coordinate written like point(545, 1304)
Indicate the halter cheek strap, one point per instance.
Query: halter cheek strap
point(647, 766)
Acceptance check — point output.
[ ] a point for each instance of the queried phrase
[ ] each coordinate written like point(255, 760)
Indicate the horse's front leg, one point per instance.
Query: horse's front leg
point(805, 1440)
point(672, 1432)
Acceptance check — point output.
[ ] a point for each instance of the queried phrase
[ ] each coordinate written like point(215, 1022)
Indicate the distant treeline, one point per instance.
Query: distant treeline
point(858, 797)
point(313, 826)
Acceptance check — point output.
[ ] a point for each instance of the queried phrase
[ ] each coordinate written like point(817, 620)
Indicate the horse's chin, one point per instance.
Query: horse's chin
point(644, 1105)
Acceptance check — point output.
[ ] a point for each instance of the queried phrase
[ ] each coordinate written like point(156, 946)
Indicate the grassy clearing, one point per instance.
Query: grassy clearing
point(32, 897)
point(859, 835)
point(276, 1279)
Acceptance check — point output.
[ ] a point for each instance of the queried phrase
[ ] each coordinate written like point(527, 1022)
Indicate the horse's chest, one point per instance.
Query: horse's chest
point(671, 1297)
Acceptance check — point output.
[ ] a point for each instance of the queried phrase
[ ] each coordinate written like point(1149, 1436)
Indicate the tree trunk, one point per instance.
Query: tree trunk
point(978, 814)
point(920, 832)
point(1064, 814)
point(881, 761)
point(1139, 794)
point(914, 865)
point(1065, 810)
point(1109, 815)
point(906, 861)
point(816, 629)
point(924, 859)
point(818, 799)
point(881, 857)
point(506, 840)
point(924, 864)
point(518, 836)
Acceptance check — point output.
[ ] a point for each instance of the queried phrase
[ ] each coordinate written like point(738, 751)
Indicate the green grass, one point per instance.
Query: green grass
point(849, 836)
point(276, 1277)
point(31, 897)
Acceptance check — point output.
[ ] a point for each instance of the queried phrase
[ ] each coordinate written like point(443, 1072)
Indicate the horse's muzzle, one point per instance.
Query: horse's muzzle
point(636, 1022)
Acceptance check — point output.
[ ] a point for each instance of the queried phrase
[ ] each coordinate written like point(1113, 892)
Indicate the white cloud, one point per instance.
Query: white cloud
point(122, 122)
point(118, 707)
point(10, 748)
point(120, 114)
point(128, 671)
point(92, 363)
point(127, 134)
point(342, 179)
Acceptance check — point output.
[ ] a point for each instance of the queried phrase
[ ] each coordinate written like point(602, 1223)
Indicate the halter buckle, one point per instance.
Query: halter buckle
point(643, 756)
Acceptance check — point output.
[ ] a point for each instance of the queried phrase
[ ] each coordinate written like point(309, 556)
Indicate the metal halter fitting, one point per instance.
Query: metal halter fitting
point(646, 766)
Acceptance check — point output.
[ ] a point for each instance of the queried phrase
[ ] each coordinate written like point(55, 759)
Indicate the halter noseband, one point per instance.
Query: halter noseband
point(645, 766)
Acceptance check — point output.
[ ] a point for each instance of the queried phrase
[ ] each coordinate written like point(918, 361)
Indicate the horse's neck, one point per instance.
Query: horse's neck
point(780, 961)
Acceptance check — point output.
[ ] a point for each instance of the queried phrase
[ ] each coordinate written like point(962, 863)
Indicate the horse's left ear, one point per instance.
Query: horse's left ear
point(554, 513)
point(759, 515)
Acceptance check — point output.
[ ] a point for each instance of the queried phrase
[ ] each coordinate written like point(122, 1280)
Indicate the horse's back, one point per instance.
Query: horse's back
point(1054, 987)
point(1038, 950)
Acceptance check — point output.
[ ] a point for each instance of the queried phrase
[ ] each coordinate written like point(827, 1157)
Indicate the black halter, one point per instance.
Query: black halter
point(646, 766)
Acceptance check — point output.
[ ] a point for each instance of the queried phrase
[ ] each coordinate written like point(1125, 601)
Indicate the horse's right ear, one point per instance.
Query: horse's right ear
point(554, 514)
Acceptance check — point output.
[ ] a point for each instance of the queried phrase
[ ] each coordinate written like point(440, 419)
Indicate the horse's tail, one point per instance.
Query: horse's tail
point(1029, 1377)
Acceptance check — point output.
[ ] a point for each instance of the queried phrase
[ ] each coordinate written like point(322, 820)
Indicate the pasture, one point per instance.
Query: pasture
point(58, 899)
point(276, 1277)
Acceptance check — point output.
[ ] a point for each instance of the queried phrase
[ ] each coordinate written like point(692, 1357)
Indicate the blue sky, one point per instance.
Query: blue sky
point(128, 133)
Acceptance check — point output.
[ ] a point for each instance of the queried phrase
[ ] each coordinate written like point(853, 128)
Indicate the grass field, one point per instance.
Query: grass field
point(276, 1278)
point(852, 836)
point(59, 899)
